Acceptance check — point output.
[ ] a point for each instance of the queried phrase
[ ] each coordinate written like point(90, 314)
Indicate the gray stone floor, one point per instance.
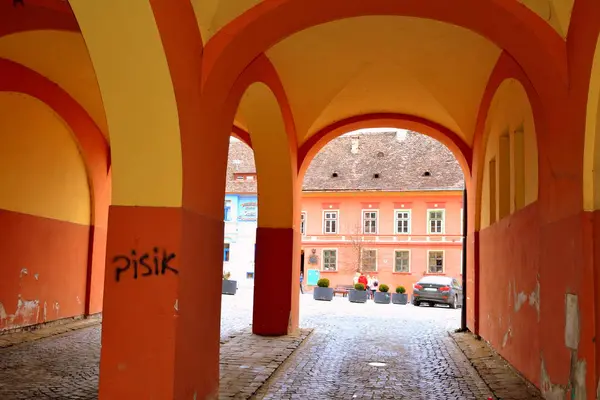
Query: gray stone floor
point(421, 360)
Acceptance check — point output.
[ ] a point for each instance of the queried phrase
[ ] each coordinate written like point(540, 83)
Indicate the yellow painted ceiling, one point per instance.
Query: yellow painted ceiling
point(557, 13)
point(213, 15)
point(384, 64)
point(63, 58)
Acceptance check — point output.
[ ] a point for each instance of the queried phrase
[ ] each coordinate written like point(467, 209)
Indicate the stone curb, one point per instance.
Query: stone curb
point(501, 378)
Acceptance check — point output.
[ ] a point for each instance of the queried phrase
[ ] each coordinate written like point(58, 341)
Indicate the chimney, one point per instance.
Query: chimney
point(400, 135)
point(354, 149)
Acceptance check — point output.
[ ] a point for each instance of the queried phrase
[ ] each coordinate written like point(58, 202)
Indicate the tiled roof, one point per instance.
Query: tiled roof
point(403, 161)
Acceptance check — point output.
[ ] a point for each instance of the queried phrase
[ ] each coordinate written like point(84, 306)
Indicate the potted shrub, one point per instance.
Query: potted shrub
point(358, 295)
point(400, 297)
point(323, 291)
point(382, 297)
point(228, 287)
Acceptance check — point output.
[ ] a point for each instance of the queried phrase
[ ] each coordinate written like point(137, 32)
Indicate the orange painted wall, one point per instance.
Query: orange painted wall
point(45, 215)
point(350, 211)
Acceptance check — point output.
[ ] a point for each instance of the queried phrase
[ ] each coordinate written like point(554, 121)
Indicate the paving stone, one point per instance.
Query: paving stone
point(421, 360)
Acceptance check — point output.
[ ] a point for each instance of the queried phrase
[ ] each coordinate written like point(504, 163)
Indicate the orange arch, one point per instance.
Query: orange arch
point(505, 68)
point(95, 153)
point(457, 146)
point(531, 41)
point(94, 147)
point(262, 70)
point(241, 134)
point(37, 15)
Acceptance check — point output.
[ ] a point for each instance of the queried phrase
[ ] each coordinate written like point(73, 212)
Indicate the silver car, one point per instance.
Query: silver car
point(438, 290)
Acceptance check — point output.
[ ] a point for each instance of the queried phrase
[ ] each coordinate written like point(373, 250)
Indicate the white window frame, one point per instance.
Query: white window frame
point(376, 259)
point(443, 261)
point(402, 210)
point(409, 261)
point(337, 225)
point(362, 221)
point(303, 218)
point(337, 258)
point(443, 210)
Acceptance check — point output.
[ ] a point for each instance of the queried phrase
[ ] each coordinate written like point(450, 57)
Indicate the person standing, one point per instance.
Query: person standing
point(301, 280)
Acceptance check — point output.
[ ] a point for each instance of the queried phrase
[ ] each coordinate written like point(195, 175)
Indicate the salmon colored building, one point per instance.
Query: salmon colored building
point(386, 203)
point(115, 118)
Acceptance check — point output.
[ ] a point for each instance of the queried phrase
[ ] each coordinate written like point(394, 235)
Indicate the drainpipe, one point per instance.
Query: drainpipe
point(463, 315)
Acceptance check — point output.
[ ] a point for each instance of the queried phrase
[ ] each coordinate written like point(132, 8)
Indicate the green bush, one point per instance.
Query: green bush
point(323, 282)
point(359, 286)
point(383, 288)
point(400, 289)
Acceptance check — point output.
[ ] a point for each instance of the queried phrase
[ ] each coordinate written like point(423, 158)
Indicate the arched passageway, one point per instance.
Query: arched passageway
point(166, 82)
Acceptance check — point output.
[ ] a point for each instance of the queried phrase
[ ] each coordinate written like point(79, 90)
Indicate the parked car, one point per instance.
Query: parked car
point(438, 290)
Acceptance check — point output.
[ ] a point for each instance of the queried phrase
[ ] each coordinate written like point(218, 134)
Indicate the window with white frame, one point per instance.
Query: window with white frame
point(329, 260)
point(330, 222)
point(435, 221)
point(402, 261)
point(369, 260)
point(402, 221)
point(436, 262)
point(303, 223)
point(369, 221)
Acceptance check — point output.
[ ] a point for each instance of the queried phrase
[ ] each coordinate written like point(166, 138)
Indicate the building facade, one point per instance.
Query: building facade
point(397, 217)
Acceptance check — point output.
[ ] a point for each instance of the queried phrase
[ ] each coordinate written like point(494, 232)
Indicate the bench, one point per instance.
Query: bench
point(342, 289)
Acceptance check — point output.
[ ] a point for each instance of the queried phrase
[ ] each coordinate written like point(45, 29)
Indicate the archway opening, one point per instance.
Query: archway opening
point(385, 203)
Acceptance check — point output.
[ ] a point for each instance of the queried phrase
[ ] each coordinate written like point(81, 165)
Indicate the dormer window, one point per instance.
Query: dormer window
point(244, 176)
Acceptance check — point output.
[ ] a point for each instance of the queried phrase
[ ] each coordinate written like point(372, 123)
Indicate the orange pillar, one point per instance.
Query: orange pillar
point(276, 281)
point(160, 336)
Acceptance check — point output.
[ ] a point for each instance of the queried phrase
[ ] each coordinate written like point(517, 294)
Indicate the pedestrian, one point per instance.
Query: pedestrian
point(301, 279)
point(374, 285)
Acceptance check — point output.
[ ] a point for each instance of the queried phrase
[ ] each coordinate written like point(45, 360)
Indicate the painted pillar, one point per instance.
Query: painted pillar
point(160, 336)
point(276, 281)
point(162, 309)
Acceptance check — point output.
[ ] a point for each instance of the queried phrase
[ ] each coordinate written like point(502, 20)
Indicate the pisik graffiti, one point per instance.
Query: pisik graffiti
point(144, 265)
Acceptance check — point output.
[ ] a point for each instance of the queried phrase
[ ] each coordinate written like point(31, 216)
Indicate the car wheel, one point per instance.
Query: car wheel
point(454, 303)
point(417, 303)
point(431, 304)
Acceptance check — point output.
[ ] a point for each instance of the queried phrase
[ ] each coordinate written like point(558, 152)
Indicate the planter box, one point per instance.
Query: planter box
point(229, 287)
point(399, 298)
point(323, 293)
point(382, 298)
point(357, 296)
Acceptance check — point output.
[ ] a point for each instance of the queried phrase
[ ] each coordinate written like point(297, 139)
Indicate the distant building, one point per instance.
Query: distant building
point(388, 204)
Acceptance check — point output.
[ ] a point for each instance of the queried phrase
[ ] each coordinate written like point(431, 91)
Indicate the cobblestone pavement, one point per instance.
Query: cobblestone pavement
point(421, 359)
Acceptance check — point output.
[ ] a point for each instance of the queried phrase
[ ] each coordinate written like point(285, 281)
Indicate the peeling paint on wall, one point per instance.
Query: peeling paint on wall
point(56, 307)
point(36, 276)
point(571, 321)
point(23, 272)
point(506, 336)
point(534, 297)
point(45, 311)
point(176, 306)
point(578, 374)
point(3, 315)
point(549, 390)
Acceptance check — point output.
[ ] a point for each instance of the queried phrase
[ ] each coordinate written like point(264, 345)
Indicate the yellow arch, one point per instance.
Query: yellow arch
point(139, 100)
point(510, 173)
point(272, 154)
point(591, 155)
point(42, 172)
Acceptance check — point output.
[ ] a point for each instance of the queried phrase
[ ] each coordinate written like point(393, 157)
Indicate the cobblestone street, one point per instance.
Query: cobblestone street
point(418, 359)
